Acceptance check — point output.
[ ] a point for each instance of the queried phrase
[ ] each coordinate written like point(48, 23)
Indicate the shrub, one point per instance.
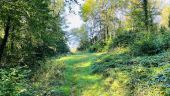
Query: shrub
point(98, 47)
point(13, 81)
point(124, 39)
point(149, 44)
point(49, 75)
point(145, 76)
point(166, 40)
point(83, 45)
point(108, 45)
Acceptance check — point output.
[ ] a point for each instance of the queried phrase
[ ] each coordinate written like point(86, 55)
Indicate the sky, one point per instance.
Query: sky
point(73, 18)
point(166, 1)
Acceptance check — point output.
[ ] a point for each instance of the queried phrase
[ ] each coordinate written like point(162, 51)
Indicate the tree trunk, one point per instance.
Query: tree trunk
point(145, 8)
point(169, 21)
point(107, 33)
point(5, 39)
point(12, 40)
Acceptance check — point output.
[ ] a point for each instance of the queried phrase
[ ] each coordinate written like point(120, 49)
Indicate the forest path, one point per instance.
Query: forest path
point(79, 80)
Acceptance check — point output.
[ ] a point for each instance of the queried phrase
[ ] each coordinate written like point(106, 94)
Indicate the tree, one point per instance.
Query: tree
point(32, 31)
point(103, 20)
point(15, 14)
point(165, 16)
point(145, 8)
point(82, 35)
point(141, 15)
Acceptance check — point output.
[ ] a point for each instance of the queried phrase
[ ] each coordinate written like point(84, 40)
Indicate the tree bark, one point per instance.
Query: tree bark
point(107, 33)
point(145, 8)
point(5, 39)
point(169, 21)
point(12, 40)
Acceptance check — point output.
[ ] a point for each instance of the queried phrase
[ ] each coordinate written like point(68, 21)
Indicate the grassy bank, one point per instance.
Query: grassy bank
point(116, 74)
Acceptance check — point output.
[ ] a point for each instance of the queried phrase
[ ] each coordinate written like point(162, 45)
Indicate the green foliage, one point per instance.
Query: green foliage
point(35, 32)
point(124, 39)
point(98, 47)
point(13, 81)
point(120, 59)
point(20, 81)
point(124, 74)
point(166, 39)
point(117, 58)
point(84, 45)
point(147, 45)
point(136, 62)
point(108, 46)
point(150, 44)
point(87, 9)
point(48, 78)
point(117, 74)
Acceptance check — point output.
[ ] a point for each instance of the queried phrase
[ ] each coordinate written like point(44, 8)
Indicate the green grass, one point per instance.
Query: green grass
point(78, 78)
point(115, 73)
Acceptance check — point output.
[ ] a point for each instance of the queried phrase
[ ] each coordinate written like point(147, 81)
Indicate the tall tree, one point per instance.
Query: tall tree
point(32, 30)
point(145, 8)
point(6, 35)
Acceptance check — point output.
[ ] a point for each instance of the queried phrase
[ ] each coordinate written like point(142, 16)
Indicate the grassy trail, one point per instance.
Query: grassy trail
point(79, 80)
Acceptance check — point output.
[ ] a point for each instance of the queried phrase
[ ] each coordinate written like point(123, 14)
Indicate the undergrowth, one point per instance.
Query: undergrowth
point(19, 81)
point(126, 75)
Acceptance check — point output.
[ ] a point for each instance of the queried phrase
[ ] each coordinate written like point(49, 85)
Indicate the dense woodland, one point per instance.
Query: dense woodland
point(124, 48)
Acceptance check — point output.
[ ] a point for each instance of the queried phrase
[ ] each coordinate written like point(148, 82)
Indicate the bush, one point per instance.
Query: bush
point(149, 44)
point(166, 41)
point(124, 39)
point(19, 81)
point(98, 47)
point(47, 77)
point(83, 45)
point(13, 81)
point(108, 45)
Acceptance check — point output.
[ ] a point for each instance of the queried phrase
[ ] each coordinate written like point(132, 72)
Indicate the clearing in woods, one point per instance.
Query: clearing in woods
point(79, 80)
